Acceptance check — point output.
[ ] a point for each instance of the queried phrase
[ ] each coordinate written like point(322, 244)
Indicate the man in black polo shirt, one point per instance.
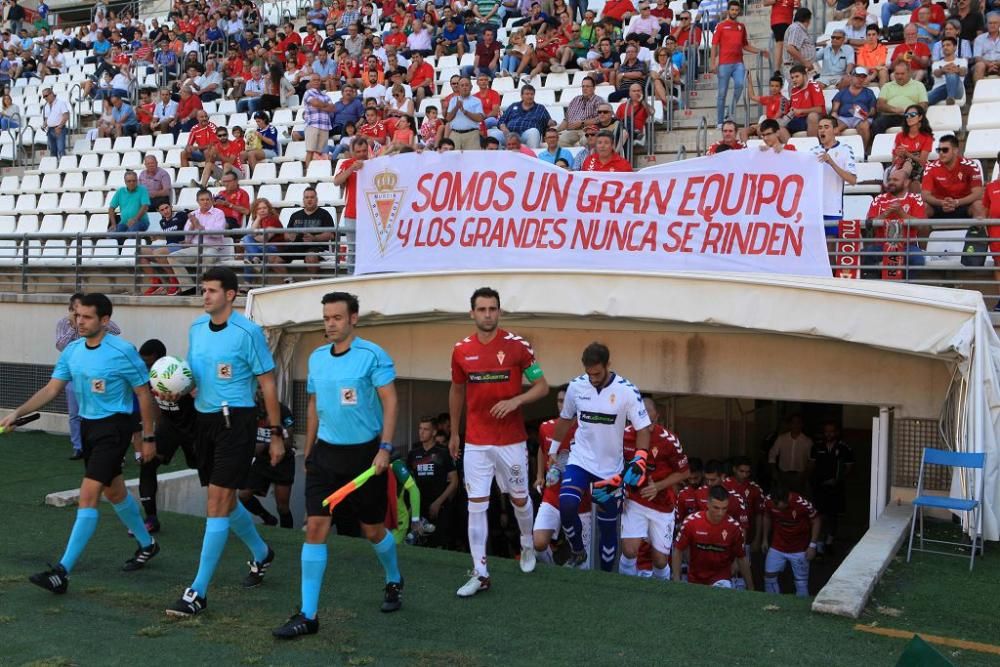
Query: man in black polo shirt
point(830, 463)
point(432, 467)
point(308, 246)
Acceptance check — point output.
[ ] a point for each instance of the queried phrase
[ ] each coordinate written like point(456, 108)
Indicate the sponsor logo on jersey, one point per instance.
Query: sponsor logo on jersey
point(474, 357)
point(488, 377)
point(706, 546)
point(597, 418)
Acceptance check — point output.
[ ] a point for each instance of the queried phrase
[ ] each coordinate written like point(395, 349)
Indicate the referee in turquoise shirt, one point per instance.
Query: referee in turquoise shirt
point(105, 371)
point(228, 355)
point(349, 427)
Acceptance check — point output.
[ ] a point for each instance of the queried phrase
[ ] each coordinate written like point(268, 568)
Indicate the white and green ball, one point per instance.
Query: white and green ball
point(170, 375)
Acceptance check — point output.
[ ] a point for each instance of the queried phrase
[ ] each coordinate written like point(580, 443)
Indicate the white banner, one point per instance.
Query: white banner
point(742, 210)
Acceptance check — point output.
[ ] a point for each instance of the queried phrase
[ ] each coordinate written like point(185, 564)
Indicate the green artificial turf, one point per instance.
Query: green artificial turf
point(551, 617)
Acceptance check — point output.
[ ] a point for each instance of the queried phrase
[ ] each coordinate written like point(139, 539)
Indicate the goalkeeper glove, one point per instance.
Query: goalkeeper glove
point(635, 472)
point(607, 490)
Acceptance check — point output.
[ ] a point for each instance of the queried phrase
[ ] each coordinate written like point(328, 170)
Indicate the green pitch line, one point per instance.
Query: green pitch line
point(551, 617)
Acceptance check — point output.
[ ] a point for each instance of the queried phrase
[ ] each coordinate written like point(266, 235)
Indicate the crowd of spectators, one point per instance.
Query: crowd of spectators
point(363, 75)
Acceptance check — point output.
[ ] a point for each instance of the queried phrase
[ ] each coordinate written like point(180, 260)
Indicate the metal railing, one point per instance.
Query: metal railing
point(944, 253)
point(701, 137)
point(120, 262)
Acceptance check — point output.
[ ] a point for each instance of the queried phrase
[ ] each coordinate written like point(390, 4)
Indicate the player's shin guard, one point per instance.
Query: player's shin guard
point(128, 512)
point(313, 567)
point(607, 529)
point(243, 527)
point(525, 516)
point(771, 583)
point(148, 486)
point(569, 514)
point(386, 552)
point(216, 533)
point(478, 533)
point(83, 530)
point(626, 566)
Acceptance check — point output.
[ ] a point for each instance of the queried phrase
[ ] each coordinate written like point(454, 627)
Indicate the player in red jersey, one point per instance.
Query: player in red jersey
point(687, 497)
point(752, 495)
point(649, 511)
point(713, 541)
point(547, 521)
point(487, 373)
point(737, 506)
point(793, 525)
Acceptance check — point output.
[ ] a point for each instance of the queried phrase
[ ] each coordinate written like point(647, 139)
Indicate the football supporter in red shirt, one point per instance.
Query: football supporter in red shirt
point(989, 207)
point(233, 201)
point(952, 183)
point(713, 542)
point(937, 13)
point(792, 525)
point(617, 10)
point(604, 157)
point(729, 138)
point(915, 54)
point(684, 32)
point(223, 155)
point(781, 17)
point(487, 372)
point(895, 207)
point(347, 178)
point(807, 104)
point(202, 137)
point(547, 521)
point(752, 494)
point(649, 511)
point(729, 42)
point(774, 105)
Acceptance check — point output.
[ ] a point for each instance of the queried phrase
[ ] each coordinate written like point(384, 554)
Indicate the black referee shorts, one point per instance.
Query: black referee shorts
point(225, 454)
point(263, 474)
point(105, 443)
point(329, 467)
point(170, 437)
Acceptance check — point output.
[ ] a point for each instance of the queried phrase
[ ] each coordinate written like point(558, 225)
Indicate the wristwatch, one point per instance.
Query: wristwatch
point(386, 447)
point(275, 430)
point(149, 438)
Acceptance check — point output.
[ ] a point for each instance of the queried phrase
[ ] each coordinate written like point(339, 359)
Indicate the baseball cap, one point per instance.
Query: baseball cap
point(859, 71)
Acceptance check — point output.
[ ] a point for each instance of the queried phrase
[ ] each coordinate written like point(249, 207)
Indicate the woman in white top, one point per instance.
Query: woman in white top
point(106, 123)
point(10, 113)
point(665, 75)
point(397, 103)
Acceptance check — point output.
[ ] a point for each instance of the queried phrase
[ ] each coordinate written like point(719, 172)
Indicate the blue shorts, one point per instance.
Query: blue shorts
point(579, 478)
point(831, 224)
point(197, 156)
point(797, 124)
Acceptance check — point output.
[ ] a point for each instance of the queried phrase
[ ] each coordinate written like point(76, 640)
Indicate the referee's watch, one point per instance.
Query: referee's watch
point(275, 430)
point(386, 447)
point(149, 438)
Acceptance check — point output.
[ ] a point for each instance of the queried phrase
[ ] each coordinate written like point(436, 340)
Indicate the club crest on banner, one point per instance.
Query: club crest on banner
point(384, 202)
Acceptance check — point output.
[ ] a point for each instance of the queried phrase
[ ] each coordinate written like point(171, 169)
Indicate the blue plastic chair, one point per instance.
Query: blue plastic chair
point(971, 506)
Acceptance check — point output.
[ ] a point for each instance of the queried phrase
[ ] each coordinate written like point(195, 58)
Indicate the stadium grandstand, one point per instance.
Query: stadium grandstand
point(144, 143)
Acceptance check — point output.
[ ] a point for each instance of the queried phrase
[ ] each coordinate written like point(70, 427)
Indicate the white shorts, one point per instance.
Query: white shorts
point(548, 519)
point(776, 561)
point(507, 463)
point(639, 521)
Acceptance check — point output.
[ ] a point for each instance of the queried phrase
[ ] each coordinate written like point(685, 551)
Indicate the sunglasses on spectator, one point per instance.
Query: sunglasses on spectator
point(911, 114)
point(944, 149)
point(685, 18)
point(604, 111)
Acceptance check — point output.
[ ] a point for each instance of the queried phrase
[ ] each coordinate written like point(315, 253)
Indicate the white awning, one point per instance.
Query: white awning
point(947, 324)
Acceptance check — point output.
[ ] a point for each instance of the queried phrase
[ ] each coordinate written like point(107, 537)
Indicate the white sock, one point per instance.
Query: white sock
point(544, 555)
point(626, 566)
point(478, 533)
point(661, 573)
point(525, 520)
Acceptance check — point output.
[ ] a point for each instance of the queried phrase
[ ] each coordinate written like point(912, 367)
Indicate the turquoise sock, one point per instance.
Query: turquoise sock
point(128, 512)
point(313, 566)
point(83, 530)
point(216, 533)
point(386, 552)
point(241, 523)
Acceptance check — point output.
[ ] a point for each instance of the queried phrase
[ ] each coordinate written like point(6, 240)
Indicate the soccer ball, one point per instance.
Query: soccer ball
point(170, 375)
